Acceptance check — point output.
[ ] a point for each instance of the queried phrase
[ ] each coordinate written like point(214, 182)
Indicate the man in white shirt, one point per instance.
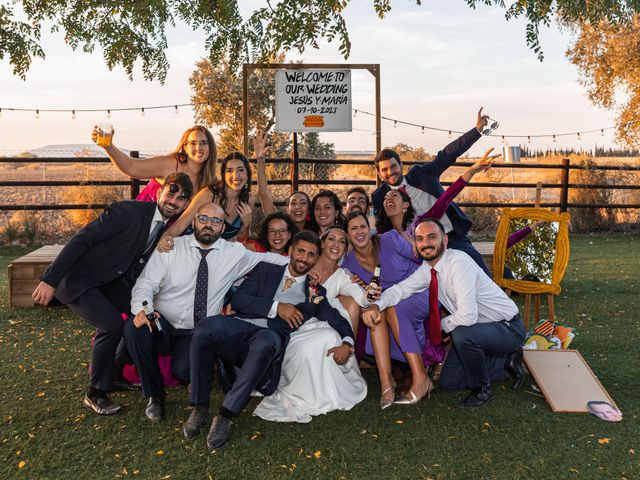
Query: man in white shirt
point(183, 286)
point(483, 323)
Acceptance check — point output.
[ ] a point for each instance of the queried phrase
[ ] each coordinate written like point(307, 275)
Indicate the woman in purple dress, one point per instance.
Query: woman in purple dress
point(403, 332)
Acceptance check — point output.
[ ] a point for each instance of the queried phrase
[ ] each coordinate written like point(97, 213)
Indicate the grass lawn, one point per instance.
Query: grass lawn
point(46, 433)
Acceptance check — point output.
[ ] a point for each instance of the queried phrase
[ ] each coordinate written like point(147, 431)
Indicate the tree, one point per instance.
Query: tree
point(407, 152)
point(132, 30)
point(608, 58)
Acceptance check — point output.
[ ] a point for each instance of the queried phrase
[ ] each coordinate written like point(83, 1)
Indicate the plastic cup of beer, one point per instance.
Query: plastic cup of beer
point(105, 133)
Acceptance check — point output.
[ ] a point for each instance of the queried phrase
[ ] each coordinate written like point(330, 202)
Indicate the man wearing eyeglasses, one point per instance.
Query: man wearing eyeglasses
point(95, 271)
point(422, 184)
point(183, 286)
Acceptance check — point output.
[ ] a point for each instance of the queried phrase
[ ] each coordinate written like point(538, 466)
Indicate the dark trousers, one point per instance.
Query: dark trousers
point(101, 307)
point(144, 350)
point(464, 244)
point(249, 348)
point(478, 353)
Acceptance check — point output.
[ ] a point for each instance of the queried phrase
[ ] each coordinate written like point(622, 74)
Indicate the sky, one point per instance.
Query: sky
point(440, 62)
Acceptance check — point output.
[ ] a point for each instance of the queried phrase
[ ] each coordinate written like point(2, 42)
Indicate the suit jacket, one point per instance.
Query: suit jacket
point(426, 177)
point(254, 299)
point(108, 248)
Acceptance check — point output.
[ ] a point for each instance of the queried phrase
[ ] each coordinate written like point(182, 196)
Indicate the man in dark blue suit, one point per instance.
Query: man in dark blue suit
point(422, 184)
point(96, 270)
point(271, 303)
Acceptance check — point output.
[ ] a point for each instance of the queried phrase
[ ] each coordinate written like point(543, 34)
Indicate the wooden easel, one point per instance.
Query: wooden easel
point(528, 296)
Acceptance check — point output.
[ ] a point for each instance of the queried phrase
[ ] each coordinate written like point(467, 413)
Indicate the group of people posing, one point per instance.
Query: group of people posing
point(287, 314)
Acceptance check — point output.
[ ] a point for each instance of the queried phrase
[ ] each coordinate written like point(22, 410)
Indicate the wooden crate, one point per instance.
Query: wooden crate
point(486, 250)
point(24, 273)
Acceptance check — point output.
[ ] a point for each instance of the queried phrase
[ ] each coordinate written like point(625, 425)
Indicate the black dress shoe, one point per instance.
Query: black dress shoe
point(196, 420)
point(155, 409)
point(479, 397)
point(515, 369)
point(219, 433)
point(101, 405)
point(120, 384)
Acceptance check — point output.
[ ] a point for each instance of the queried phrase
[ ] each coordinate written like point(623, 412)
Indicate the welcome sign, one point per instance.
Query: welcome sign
point(313, 100)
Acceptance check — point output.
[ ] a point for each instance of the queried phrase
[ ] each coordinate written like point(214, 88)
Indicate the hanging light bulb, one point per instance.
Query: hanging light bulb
point(175, 109)
point(423, 130)
point(395, 124)
point(602, 132)
point(528, 138)
point(579, 136)
point(37, 114)
point(355, 113)
point(503, 139)
point(0, 112)
point(449, 133)
point(554, 139)
point(108, 113)
point(142, 112)
point(73, 114)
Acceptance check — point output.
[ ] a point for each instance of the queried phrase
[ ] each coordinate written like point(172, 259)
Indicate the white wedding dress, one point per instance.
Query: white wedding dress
point(312, 383)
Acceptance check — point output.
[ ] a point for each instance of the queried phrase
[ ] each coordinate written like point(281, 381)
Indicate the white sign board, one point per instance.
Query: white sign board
point(313, 100)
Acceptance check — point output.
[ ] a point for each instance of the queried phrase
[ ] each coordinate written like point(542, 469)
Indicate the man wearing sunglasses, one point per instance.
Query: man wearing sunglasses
point(183, 286)
point(422, 184)
point(95, 271)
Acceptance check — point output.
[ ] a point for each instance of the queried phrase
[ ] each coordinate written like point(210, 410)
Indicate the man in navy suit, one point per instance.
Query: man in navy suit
point(422, 184)
point(271, 303)
point(96, 270)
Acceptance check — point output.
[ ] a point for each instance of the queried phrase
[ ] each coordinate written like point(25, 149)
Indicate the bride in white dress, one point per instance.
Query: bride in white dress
point(311, 382)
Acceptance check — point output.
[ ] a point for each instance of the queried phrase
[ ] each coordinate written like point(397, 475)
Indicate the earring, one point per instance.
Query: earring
point(404, 210)
point(246, 185)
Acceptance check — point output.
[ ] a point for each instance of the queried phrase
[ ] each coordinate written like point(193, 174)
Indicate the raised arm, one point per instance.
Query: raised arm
point(144, 168)
point(261, 148)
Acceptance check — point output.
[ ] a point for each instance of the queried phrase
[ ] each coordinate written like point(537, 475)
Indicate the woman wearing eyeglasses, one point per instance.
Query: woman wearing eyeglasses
point(195, 155)
point(276, 231)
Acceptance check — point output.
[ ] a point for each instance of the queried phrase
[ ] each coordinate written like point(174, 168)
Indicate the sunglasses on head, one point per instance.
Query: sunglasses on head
point(175, 188)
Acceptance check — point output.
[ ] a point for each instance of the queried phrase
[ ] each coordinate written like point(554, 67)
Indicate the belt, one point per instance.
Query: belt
point(515, 318)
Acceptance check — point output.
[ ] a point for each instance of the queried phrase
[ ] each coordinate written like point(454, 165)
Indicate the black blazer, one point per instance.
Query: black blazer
point(109, 247)
point(254, 299)
point(426, 177)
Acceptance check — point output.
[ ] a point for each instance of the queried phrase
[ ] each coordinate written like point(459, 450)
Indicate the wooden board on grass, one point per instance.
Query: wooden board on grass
point(565, 380)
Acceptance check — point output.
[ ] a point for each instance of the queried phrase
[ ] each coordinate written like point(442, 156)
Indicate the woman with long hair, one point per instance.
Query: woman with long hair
point(276, 231)
point(231, 192)
point(311, 382)
point(195, 155)
point(403, 332)
point(326, 210)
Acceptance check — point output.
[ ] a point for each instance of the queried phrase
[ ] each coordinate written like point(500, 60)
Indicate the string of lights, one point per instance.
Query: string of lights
point(396, 122)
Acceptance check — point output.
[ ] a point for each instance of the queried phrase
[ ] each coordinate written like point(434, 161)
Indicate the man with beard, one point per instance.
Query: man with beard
point(271, 303)
point(357, 199)
point(422, 185)
point(484, 326)
point(183, 286)
point(95, 271)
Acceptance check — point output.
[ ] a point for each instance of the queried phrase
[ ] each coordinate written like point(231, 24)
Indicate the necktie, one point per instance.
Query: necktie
point(202, 284)
point(288, 282)
point(403, 189)
point(434, 310)
point(153, 236)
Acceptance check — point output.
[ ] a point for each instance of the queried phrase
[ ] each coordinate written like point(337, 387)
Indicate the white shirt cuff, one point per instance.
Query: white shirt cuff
point(274, 310)
point(348, 340)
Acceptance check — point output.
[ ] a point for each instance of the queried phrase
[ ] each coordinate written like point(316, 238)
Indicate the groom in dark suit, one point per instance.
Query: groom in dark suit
point(96, 270)
point(422, 184)
point(271, 303)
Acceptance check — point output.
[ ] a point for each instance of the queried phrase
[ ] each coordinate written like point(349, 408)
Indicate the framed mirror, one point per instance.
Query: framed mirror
point(531, 251)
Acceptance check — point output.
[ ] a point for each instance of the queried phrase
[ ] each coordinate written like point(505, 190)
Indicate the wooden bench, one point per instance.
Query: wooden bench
point(24, 273)
point(486, 250)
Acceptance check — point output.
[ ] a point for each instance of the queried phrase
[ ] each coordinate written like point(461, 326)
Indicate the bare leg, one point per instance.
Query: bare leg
point(380, 342)
point(353, 309)
point(421, 384)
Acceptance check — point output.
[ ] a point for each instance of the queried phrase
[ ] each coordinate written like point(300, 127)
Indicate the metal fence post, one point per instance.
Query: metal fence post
point(564, 191)
point(294, 164)
point(135, 183)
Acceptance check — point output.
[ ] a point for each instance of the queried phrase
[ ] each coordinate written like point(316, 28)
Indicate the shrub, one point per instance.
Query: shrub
point(91, 195)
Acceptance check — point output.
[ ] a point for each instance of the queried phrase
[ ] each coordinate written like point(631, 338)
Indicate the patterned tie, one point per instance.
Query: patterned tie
point(403, 189)
point(288, 282)
point(434, 310)
point(153, 236)
point(202, 284)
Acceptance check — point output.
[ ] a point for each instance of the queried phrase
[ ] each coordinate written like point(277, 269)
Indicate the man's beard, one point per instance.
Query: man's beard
point(206, 236)
point(305, 269)
point(438, 250)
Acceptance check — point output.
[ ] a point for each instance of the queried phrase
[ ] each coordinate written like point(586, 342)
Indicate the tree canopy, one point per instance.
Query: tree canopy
point(128, 31)
point(608, 58)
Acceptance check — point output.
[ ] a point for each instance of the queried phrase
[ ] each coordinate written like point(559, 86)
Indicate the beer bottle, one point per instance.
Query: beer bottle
point(155, 327)
point(375, 280)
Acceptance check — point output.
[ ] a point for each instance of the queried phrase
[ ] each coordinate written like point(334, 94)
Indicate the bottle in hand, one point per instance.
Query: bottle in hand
point(375, 281)
point(156, 329)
